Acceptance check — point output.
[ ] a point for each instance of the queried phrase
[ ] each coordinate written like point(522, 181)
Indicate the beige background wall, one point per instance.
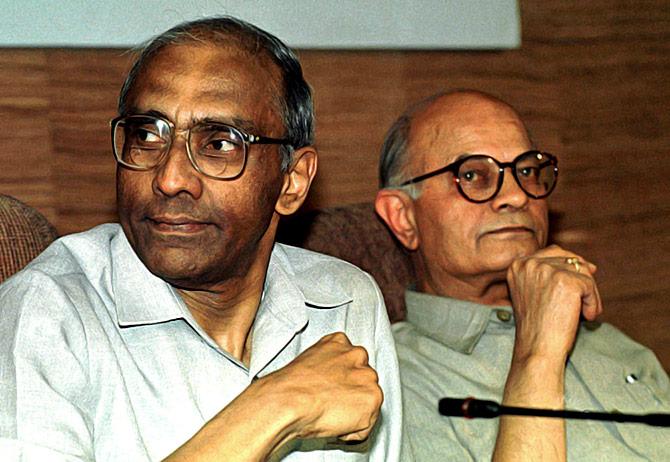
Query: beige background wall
point(592, 79)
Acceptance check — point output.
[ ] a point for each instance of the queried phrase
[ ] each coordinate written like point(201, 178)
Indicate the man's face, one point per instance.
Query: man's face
point(188, 229)
point(460, 239)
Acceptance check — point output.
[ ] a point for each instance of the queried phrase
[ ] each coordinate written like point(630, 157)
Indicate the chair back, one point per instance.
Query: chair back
point(24, 234)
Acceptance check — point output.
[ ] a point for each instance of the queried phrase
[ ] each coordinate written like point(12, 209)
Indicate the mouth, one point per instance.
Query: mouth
point(176, 225)
point(510, 231)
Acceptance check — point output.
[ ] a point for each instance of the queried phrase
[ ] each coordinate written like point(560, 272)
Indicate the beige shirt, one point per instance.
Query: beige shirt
point(452, 348)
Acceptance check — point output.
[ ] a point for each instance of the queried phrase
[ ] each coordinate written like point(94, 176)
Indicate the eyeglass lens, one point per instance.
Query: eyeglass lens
point(479, 177)
point(215, 149)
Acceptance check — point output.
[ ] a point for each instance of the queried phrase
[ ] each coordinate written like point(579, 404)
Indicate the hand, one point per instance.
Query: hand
point(548, 297)
point(327, 391)
point(331, 388)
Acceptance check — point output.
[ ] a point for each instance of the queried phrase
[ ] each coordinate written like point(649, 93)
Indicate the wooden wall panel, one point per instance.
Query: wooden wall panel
point(84, 86)
point(25, 144)
point(592, 80)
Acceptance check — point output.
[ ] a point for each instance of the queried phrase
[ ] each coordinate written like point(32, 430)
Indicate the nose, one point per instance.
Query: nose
point(510, 195)
point(176, 174)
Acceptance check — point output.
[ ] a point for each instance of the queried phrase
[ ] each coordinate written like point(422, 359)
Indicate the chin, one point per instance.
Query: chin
point(171, 264)
point(503, 258)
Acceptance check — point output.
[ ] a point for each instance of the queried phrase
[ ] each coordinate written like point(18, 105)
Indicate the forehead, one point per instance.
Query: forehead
point(453, 127)
point(199, 81)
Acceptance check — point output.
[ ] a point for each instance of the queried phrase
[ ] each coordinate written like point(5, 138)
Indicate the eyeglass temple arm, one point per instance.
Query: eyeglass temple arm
point(257, 139)
point(425, 176)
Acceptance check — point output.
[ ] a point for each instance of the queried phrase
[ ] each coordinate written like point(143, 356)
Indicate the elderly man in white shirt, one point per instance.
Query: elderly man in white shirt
point(186, 333)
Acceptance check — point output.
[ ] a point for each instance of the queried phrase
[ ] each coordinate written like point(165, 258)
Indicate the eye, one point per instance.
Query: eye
point(529, 172)
point(216, 141)
point(145, 135)
point(473, 175)
point(220, 145)
point(469, 175)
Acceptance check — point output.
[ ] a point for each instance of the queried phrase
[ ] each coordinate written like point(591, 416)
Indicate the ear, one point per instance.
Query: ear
point(396, 208)
point(297, 180)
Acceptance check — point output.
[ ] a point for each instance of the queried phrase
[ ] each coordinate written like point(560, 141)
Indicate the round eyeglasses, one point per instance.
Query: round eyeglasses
point(479, 177)
point(217, 150)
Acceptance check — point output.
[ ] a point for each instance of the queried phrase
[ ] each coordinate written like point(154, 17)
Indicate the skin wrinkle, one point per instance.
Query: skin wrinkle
point(494, 253)
point(458, 255)
point(219, 270)
point(220, 87)
point(235, 255)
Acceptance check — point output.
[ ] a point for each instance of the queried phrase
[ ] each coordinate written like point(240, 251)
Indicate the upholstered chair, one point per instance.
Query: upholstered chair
point(24, 233)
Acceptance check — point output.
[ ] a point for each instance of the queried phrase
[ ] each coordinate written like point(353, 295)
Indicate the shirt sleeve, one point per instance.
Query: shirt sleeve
point(43, 373)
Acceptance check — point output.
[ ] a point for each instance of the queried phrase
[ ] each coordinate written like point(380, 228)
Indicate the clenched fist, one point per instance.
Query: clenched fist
point(331, 389)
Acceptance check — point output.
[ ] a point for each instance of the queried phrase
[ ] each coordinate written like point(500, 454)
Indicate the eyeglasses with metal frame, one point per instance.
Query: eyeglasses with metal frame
point(480, 177)
point(215, 149)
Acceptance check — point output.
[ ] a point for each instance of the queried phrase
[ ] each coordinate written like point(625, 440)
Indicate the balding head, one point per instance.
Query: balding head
point(443, 115)
point(460, 244)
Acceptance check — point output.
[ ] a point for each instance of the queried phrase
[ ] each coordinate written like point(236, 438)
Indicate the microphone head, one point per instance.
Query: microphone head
point(468, 408)
point(453, 407)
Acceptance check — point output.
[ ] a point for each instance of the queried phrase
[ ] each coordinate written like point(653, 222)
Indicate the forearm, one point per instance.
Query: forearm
point(533, 382)
point(250, 428)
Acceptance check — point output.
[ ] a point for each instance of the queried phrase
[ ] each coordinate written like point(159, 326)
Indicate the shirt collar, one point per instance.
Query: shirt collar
point(315, 276)
point(292, 285)
point(458, 324)
point(143, 298)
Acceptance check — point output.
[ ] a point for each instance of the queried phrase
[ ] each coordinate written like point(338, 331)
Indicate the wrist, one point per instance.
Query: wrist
point(535, 381)
point(271, 400)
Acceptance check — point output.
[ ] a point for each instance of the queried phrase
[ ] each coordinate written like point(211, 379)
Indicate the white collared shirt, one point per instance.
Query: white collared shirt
point(101, 360)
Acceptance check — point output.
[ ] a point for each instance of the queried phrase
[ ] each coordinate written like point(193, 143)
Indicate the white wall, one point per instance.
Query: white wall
point(418, 24)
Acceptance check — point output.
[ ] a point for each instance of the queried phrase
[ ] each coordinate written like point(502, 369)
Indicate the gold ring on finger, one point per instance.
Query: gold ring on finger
point(574, 261)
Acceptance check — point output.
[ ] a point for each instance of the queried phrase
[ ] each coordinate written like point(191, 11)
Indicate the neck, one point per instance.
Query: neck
point(485, 289)
point(227, 311)
point(495, 293)
point(227, 316)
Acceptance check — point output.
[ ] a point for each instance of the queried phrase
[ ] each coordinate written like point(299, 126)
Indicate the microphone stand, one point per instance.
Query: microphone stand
point(472, 408)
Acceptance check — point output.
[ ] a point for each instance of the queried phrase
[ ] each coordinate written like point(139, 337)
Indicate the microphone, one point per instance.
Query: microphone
point(472, 408)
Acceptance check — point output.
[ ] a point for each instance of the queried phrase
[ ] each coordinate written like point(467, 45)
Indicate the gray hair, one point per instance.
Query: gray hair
point(296, 106)
point(395, 150)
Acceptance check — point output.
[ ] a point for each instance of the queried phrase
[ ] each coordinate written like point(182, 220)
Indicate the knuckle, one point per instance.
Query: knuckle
point(356, 356)
point(339, 337)
point(372, 402)
point(379, 397)
point(369, 376)
point(360, 354)
point(514, 267)
point(543, 268)
point(336, 337)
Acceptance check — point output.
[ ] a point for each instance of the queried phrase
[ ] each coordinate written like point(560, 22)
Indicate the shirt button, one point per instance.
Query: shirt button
point(503, 315)
point(631, 378)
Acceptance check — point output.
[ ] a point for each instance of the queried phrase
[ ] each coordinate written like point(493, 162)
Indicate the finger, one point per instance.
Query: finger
point(359, 356)
point(336, 337)
point(363, 433)
point(585, 265)
point(356, 437)
point(591, 301)
point(576, 263)
point(558, 252)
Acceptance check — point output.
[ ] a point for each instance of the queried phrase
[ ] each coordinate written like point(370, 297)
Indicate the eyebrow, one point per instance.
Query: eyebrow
point(467, 154)
point(237, 122)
